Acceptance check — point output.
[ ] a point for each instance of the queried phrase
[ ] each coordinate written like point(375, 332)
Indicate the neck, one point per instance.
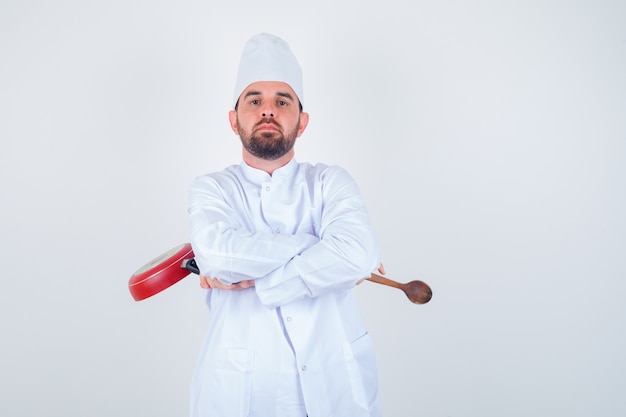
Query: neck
point(264, 164)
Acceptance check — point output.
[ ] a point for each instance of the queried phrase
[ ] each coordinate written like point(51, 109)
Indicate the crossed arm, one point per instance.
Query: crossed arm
point(210, 283)
point(283, 268)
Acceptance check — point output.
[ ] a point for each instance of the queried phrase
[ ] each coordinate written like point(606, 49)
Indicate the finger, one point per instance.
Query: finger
point(222, 286)
point(209, 283)
point(204, 283)
point(217, 284)
point(242, 285)
point(247, 283)
point(381, 268)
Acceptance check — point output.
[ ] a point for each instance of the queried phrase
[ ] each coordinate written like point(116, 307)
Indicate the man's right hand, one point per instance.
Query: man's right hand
point(214, 283)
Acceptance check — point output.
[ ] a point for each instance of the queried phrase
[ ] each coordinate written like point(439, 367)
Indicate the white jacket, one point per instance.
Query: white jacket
point(293, 345)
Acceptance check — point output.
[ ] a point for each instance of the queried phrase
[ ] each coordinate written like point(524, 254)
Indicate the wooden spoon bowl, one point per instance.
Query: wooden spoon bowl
point(417, 291)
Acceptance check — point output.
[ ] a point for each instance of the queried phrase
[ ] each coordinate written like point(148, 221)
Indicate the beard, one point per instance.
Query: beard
point(268, 145)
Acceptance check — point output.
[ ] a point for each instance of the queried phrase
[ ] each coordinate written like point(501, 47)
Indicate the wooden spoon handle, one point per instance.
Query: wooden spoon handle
point(385, 281)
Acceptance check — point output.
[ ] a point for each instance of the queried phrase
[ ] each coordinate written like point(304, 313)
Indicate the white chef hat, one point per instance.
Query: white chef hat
point(268, 58)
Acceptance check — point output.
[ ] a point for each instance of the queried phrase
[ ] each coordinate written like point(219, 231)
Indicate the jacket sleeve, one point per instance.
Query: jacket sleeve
point(224, 248)
point(345, 252)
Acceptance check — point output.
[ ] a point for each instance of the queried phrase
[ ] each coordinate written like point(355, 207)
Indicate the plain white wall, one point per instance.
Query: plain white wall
point(488, 139)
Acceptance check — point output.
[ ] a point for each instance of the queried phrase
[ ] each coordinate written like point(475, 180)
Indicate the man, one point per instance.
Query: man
point(280, 244)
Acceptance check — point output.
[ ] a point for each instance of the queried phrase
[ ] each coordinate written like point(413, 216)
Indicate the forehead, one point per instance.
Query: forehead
point(269, 88)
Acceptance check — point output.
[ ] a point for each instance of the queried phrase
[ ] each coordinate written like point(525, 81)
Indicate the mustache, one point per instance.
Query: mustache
point(268, 120)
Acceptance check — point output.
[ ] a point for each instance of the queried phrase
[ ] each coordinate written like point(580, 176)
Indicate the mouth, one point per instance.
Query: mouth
point(264, 127)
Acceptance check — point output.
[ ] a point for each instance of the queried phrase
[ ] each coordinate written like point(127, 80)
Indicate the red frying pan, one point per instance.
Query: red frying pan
point(161, 273)
point(170, 267)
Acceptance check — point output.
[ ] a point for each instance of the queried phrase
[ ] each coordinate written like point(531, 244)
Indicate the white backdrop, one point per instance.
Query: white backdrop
point(488, 139)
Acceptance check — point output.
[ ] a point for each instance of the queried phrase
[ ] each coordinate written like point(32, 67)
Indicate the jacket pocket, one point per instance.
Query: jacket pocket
point(361, 365)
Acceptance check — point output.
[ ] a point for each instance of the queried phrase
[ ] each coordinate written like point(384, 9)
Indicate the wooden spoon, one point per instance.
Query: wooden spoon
point(417, 291)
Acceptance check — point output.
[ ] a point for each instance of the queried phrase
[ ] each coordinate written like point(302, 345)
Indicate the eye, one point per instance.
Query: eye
point(282, 103)
point(255, 101)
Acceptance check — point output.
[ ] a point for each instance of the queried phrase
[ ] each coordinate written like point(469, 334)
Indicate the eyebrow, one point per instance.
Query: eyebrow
point(252, 93)
point(279, 94)
point(285, 95)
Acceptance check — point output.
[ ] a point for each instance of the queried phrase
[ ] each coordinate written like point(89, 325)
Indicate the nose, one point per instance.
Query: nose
point(267, 109)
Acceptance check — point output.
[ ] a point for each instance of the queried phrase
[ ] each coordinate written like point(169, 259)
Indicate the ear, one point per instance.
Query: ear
point(304, 121)
point(232, 118)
